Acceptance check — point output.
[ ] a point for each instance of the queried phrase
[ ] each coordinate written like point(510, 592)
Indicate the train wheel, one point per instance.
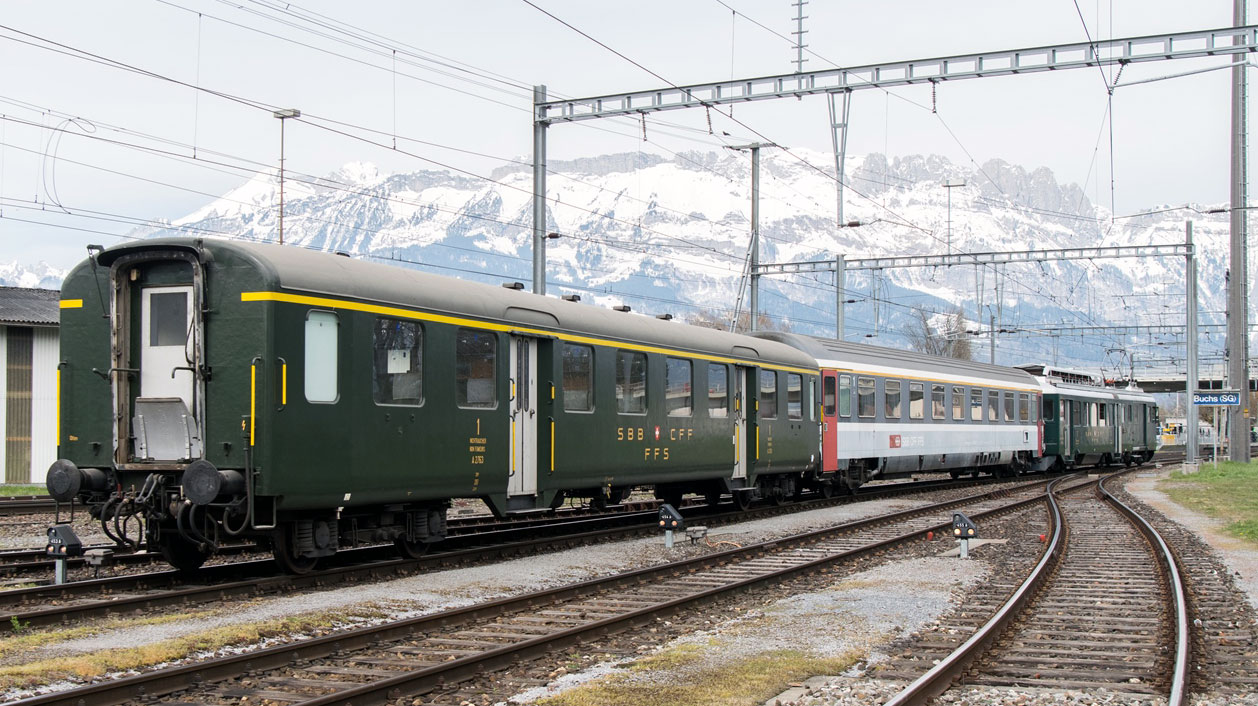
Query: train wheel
point(712, 497)
point(408, 549)
point(180, 553)
point(827, 489)
point(742, 499)
point(281, 548)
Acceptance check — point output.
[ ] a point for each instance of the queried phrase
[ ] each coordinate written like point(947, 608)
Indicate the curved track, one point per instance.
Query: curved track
point(1096, 612)
point(384, 663)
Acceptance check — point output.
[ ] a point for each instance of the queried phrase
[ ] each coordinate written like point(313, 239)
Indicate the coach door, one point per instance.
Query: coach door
point(1067, 418)
point(164, 426)
point(524, 417)
point(741, 443)
point(829, 422)
point(165, 346)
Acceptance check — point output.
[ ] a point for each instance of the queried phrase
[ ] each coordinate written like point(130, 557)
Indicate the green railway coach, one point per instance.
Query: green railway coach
point(211, 388)
point(1086, 422)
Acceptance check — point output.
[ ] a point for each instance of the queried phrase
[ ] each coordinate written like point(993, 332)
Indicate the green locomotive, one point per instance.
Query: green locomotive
point(214, 388)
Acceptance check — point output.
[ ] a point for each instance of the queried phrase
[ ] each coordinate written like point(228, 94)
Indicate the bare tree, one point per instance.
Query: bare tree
point(945, 338)
point(710, 319)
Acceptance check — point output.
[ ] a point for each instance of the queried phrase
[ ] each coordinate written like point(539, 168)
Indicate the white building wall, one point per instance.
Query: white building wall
point(45, 356)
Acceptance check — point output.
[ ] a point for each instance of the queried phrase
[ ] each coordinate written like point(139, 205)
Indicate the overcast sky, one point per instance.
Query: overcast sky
point(458, 75)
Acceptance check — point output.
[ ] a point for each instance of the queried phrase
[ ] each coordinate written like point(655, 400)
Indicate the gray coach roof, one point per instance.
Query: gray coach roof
point(856, 354)
point(316, 273)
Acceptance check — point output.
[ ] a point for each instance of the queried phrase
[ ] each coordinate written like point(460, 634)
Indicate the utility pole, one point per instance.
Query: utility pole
point(753, 251)
point(951, 184)
point(1190, 293)
point(283, 116)
point(799, 35)
point(992, 335)
point(1238, 282)
point(539, 190)
point(840, 282)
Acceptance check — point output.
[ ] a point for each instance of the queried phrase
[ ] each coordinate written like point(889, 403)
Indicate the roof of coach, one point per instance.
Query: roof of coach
point(299, 270)
point(1052, 386)
point(843, 354)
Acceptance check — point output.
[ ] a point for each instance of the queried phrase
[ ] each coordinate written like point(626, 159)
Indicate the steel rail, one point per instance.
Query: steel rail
point(459, 548)
point(162, 682)
point(940, 677)
point(1179, 678)
point(21, 505)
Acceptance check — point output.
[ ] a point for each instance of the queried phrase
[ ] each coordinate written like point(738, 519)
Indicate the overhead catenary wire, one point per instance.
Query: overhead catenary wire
point(653, 123)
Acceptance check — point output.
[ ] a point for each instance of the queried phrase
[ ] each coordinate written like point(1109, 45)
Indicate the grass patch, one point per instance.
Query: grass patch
point(19, 641)
point(1229, 493)
point(746, 682)
point(95, 664)
point(7, 489)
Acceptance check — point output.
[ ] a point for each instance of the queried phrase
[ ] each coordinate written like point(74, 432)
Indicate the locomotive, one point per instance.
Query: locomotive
point(212, 389)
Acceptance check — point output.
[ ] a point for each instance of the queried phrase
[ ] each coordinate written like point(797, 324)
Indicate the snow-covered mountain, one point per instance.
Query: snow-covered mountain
point(671, 235)
point(32, 276)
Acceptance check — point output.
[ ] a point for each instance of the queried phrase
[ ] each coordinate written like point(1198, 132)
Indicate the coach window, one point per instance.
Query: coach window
point(958, 403)
point(976, 404)
point(475, 369)
point(1034, 408)
point(1076, 417)
point(322, 334)
point(917, 400)
point(578, 378)
point(398, 363)
point(678, 386)
point(630, 382)
point(865, 390)
point(938, 407)
point(718, 391)
point(794, 396)
point(1024, 408)
point(845, 395)
point(768, 408)
point(829, 397)
point(1048, 409)
point(1009, 401)
point(891, 397)
point(993, 406)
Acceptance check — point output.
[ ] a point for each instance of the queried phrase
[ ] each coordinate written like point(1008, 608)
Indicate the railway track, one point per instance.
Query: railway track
point(24, 562)
point(26, 504)
point(25, 566)
point(416, 656)
point(1225, 628)
point(1098, 611)
point(479, 543)
point(21, 564)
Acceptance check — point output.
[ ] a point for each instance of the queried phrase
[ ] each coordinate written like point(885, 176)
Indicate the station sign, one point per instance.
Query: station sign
point(1217, 398)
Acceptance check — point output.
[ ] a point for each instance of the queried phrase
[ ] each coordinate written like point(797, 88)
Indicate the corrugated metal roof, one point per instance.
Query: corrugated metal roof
point(32, 307)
